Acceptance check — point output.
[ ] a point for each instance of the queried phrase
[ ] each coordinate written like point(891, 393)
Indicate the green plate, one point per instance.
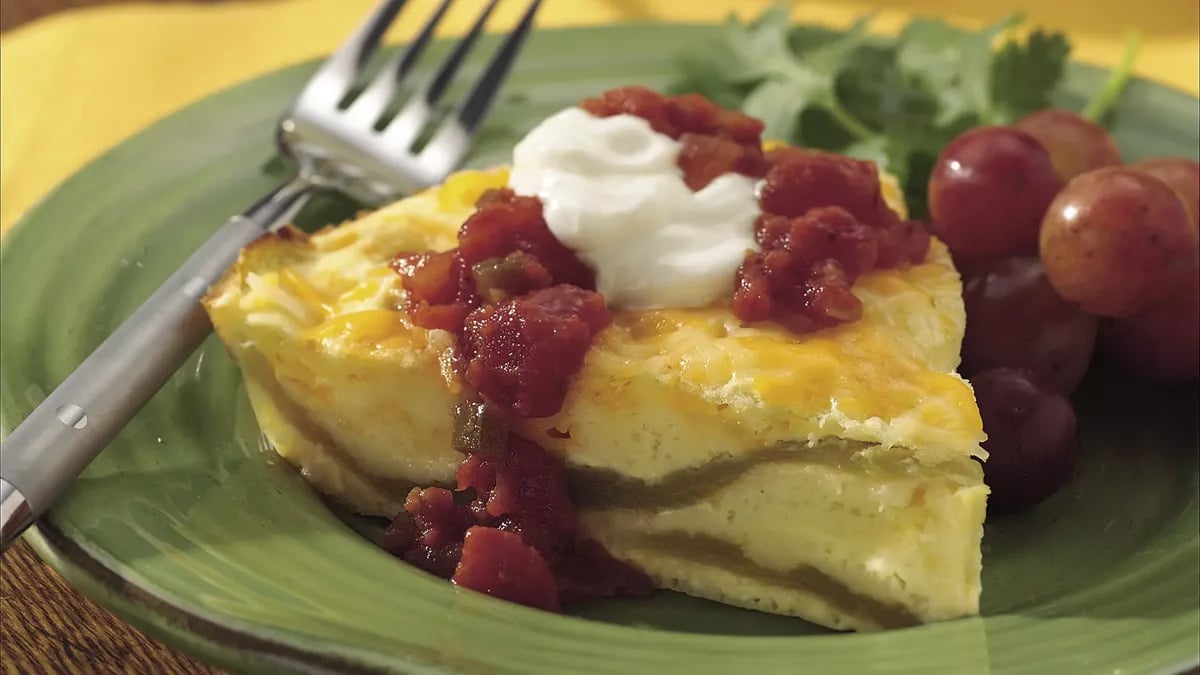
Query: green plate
point(190, 531)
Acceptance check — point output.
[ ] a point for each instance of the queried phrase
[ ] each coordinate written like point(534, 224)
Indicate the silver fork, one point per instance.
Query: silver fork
point(353, 149)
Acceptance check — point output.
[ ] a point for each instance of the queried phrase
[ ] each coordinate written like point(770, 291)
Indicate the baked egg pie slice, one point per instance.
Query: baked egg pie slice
point(829, 475)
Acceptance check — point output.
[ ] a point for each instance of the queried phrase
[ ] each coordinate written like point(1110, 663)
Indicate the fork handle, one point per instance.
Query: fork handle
point(66, 431)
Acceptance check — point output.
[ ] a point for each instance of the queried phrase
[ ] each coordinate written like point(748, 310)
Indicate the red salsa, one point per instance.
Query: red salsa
point(522, 352)
point(824, 224)
point(509, 529)
point(525, 312)
point(506, 245)
point(715, 141)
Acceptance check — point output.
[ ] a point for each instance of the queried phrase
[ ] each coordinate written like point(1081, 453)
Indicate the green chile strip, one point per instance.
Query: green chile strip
point(714, 552)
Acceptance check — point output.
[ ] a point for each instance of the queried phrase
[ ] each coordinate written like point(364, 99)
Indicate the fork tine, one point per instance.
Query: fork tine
point(404, 129)
point(446, 73)
point(453, 137)
point(475, 107)
point(370, 105)
point(340, 69)
point(374, 27)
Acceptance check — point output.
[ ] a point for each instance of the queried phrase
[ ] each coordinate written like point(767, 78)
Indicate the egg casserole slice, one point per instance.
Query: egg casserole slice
point(830, 476)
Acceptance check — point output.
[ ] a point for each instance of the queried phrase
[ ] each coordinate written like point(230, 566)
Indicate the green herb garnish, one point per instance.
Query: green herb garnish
point(1102, 103)
point(896, 102)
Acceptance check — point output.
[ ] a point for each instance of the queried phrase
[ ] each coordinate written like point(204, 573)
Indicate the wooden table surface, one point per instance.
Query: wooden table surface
point(45, 625)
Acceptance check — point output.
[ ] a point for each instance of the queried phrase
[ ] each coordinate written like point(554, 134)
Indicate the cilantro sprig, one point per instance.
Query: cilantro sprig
point(896, 102)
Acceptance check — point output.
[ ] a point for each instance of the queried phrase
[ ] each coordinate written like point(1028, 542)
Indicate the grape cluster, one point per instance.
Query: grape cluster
point(1064, 250)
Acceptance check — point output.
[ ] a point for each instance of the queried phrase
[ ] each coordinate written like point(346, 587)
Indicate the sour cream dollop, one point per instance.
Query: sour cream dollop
point(611, 190)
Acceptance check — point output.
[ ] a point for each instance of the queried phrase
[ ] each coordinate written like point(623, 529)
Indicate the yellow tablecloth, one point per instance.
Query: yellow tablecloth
point(75, 84)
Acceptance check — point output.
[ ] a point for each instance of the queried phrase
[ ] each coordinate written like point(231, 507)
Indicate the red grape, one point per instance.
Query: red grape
point(1162, 343)
point(1032, 438)
point(1117, 242)
point(1076, 144)
point(1016, 319)
point(988, 192)
point(1181, 175)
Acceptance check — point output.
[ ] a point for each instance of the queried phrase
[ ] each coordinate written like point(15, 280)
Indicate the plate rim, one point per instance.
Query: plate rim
point(174, 625)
